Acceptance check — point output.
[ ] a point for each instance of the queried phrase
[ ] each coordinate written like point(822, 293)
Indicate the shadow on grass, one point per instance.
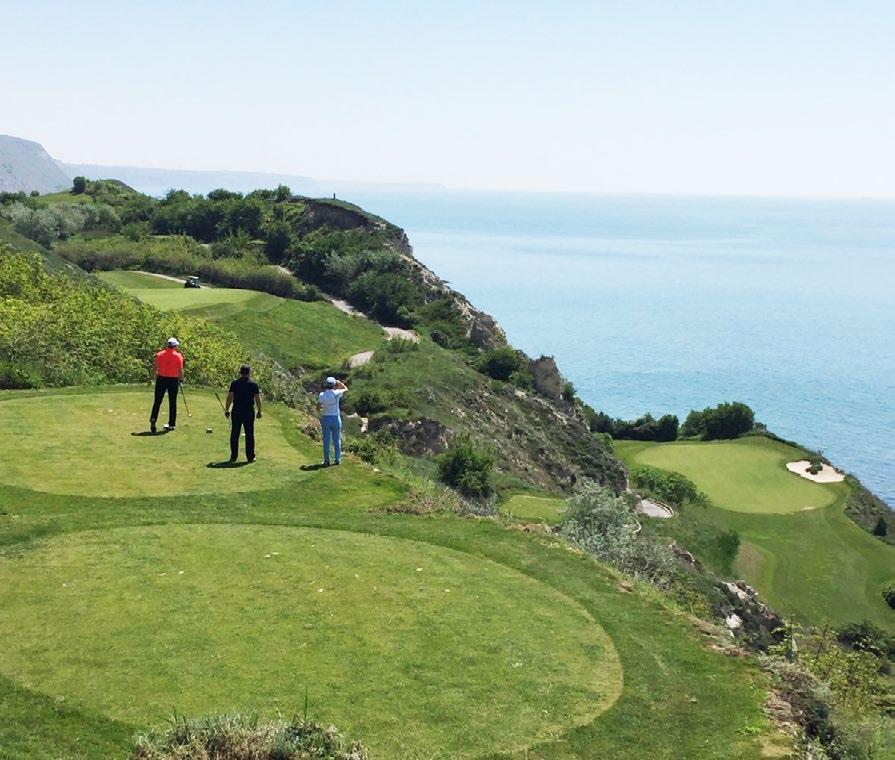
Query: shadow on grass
point(312, 467)
point(150, 433)
point(226, 465)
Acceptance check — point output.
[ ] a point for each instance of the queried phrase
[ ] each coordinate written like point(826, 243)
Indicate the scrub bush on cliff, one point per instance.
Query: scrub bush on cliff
point(467, 468)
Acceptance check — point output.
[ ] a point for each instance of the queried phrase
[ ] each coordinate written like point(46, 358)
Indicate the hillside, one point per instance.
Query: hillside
point(26, 166)
point(380, 601)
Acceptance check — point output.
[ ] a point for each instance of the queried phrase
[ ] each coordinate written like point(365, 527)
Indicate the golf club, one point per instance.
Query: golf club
point(186, 405)
point(220, 402)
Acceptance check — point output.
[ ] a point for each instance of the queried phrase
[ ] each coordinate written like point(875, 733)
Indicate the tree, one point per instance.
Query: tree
point(282, 194)
point(727, 420)
point(79, 185)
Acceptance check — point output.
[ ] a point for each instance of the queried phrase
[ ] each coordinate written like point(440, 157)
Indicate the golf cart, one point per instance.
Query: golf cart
point(192, 282)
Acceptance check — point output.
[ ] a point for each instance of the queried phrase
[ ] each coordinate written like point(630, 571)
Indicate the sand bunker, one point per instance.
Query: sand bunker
point(827, 474)
point(652, 508)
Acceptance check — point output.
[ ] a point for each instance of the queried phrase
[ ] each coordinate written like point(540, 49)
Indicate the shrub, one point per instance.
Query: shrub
point(502, 362)
point(666, 485)
point(467, 468)
point(889, 596)
point(646, 428)
point(603, 524)
point(238, 737)
point(375, 448)
point(79, 185)
point(727, 420)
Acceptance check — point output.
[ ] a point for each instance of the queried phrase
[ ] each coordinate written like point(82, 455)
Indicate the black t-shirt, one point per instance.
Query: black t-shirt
point(244, 392)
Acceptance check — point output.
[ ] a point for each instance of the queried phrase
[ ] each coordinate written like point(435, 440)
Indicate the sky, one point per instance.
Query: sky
point(749, 97)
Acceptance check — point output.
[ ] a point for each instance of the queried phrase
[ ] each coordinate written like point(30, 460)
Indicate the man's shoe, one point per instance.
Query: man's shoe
point(250, 460)
point(232, 460)
point(169, 427)
point(325, 464)
point(338, 461)
point(152, 427)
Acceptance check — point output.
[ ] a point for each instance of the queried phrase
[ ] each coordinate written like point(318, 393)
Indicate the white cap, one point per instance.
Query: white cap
point(329, 381)
point(172, 342)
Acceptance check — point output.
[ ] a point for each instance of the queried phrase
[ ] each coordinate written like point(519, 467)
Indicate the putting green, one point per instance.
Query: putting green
point(419, 650)
point(745, 475)
point(84, 444)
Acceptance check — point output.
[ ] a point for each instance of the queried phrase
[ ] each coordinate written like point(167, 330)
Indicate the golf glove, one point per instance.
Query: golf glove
point(258, 415)
point(227, 415)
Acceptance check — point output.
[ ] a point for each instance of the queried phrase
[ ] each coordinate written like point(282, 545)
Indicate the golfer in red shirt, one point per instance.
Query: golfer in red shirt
point(168, 375)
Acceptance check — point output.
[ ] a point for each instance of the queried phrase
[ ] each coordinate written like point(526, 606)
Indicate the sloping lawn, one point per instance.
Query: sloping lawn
point(425, 637)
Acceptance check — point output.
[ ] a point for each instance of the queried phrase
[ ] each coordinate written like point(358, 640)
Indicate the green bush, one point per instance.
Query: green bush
point(238, 737)
point(375, 448)
point(467, 468)
point(502, 362)
point(645, 428)
point(56, 330)
point(725, 421)
point(603, 524)
point(666, 485)
point(889, 595)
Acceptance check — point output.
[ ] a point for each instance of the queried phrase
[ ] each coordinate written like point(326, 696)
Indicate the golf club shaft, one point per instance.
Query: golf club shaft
point(186, 405)
point(220, 402)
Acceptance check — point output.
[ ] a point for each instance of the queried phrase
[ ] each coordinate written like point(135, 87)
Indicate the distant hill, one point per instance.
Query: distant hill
point(157, 182)
point(25, 165)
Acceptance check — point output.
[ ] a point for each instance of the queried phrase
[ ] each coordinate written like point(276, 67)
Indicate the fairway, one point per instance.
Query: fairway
point(419, 649)
point(797, 547)
point(309, 334)
point(546, 509)
point(745, 475)
point(127, 280)
point(84, 444)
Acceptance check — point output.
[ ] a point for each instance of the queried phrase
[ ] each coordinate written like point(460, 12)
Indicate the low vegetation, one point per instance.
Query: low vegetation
point(728, 420)
point(240, 737)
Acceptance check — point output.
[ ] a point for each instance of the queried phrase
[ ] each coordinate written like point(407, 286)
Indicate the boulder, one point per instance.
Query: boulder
point(419, 437)
point(547, 380)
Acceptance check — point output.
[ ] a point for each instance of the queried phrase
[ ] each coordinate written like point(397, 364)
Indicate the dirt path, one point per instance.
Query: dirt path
point(164, 276)
point(359, 360)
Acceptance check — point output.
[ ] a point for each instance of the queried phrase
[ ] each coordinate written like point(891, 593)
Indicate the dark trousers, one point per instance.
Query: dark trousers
point(242, 420)
point(165, 385)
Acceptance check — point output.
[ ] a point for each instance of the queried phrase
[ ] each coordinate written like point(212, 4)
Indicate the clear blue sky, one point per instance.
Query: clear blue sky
point(753, 97)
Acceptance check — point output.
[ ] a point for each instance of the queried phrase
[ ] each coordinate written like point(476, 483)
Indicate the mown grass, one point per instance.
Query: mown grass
point(85, 444)
point(231, 628)
point(138, 280)
point(745, 475)
point(309, 334)
point(545, 509)
point(814, 564)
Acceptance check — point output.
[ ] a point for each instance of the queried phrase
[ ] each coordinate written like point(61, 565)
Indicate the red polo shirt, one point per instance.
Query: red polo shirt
point(168, 363)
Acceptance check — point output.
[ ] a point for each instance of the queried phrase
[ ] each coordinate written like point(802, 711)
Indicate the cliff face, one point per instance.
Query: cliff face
point(26, 166)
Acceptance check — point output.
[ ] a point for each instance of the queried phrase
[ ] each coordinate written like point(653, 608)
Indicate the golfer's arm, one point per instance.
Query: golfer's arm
point(258, 402)
point(341, 386)
point(229, 402)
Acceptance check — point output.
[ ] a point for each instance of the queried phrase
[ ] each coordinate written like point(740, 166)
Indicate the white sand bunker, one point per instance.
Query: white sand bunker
point(827, 474)
point(652, 508)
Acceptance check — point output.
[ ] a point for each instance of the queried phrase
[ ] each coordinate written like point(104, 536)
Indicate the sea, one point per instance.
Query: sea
point(667, 304)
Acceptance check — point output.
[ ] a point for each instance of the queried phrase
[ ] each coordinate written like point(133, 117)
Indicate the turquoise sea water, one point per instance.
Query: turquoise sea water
point(669, 304)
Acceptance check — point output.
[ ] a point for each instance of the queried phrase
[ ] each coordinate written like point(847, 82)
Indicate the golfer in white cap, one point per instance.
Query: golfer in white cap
point(330, 420)
point(168, 375)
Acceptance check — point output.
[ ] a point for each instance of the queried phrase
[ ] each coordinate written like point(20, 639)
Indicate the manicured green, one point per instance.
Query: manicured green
point(515, 661)
point(191, 299)
point(85, 444)
point(814, 564)
point(744, 475)
point(546, 509)
point(311, 334)
point(138, 280)
point(344, 615)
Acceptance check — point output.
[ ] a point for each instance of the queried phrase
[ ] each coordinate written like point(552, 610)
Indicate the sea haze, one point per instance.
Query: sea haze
point(668, 304)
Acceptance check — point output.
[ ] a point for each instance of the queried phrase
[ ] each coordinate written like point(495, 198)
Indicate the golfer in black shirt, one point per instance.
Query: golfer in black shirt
point(244, 397)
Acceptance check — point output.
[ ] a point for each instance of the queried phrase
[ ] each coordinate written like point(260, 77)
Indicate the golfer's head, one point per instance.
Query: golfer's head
point(173, 343)
point(245, 370)
point(330, 382)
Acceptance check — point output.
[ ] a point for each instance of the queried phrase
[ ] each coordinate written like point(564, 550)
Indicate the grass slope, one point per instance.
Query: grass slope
point(814, 564)
point(413, 670)
point(138, 280)
point(545, 509)
point(311, 334)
